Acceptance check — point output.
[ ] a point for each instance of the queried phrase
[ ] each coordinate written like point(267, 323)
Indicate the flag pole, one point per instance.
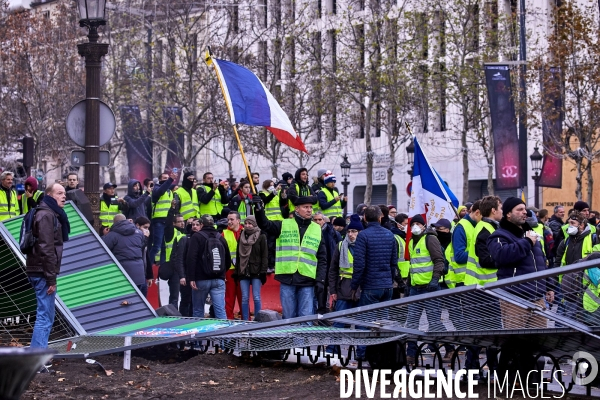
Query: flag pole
point(237, 136)
point(446, 195)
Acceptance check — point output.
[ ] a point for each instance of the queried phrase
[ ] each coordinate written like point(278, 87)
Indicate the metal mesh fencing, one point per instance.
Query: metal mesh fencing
point(18, 303)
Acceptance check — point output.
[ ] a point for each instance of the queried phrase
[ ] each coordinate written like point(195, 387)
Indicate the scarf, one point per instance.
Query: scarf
point(248, 237)
point(62, 216)
point(344, 261)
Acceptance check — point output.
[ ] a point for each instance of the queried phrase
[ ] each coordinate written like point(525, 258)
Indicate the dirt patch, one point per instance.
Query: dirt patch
point(184, 375)
point(167, 373)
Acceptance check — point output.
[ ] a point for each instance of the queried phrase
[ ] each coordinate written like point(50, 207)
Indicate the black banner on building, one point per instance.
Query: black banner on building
point(137, 144)
point(174, 131)
point(552, 121)
point(504, 127)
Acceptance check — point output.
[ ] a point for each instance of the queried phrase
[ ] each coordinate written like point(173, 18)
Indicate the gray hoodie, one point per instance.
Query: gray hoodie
point(136, 202)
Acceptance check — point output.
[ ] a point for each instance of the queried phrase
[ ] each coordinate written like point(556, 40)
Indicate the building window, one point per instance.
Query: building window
point(333, 42)
point(264, 58)
point(158, 62)
point(360, 43)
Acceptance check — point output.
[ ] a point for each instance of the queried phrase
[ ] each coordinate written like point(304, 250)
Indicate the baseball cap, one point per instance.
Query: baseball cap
point(109, 185)
point(442, 223)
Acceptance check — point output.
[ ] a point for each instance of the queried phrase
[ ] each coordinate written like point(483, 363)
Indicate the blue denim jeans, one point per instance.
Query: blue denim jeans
point(340, 305)
point(157, 230)
point(367, 297)
point(245, 286)
point(44, 318)
point(296, 301)
point(144, 289)
point(216, 288)
point(433, 312)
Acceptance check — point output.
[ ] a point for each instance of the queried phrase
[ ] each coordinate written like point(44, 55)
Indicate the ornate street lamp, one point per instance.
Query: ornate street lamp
point(410, 151)
point(536, 165)
point(345, 166)
point(92, 15)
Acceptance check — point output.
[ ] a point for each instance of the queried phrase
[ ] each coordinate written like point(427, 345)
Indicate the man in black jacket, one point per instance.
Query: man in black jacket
point(51, 228)
point(201, 283)
point(300, 278)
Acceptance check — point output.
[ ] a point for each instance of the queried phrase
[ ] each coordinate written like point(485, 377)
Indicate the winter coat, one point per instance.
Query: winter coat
point(555, 224)
point(258, 262)
point(436, 252)
point(196, 245)
point(127, 244)
point(342, 287)
point(46, 256)
point(330, 238)
point(237, 200)
point(326, 205)
point(273, 228)
point(459, 242)
point(516, 255)
point(573, 249)
point(304, 188)
point(136, 202)
point(375, 258)
point(481, 248)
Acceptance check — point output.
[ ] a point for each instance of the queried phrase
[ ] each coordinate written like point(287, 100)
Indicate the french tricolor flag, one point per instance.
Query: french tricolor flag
point(430, 196)
point(249, 102)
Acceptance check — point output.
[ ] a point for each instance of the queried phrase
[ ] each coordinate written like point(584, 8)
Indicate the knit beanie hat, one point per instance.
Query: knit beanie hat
point(355, 223)
point(509, 204)
point(251, 219)
point(321, 172)
point(580, 205)
point(329, 178)
point(417, 218)
point(286, 176)
point(339, 221)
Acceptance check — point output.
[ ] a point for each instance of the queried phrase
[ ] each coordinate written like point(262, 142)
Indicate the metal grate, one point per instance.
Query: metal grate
point(18, 303)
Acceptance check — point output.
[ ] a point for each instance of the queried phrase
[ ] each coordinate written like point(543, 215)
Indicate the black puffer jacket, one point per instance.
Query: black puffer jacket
point(295, 279)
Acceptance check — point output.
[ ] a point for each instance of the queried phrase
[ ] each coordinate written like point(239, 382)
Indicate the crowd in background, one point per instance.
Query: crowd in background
point(212, 238)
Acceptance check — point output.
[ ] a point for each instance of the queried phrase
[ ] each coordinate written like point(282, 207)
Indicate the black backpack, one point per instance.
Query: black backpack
point(26, 239)
point(213, 258)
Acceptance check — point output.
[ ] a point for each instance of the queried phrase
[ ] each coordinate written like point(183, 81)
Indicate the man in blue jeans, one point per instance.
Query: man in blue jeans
point(300, 257)
point(375, 265)
point(204, 277)
point(50, 228)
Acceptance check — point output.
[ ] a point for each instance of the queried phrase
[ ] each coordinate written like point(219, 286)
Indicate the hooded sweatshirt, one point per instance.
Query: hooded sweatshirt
point(304, 188)
point(31, 203)
point(127, 243)
point(136, 201)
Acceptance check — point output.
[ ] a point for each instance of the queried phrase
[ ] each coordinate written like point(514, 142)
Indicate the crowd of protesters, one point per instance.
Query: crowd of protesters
point(221, 239)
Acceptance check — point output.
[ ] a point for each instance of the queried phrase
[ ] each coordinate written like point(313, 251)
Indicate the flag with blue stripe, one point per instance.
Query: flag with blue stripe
point(430, 196)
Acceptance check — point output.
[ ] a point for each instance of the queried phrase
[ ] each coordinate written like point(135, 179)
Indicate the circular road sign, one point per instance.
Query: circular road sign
point(76, 123)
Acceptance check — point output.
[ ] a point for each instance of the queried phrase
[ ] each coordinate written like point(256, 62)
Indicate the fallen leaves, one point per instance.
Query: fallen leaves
point(62, 379)
point(130, 383)
point(142, 366)
point(230, 367)
point(210, 383)
point(109, 372)
point(124, 303)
